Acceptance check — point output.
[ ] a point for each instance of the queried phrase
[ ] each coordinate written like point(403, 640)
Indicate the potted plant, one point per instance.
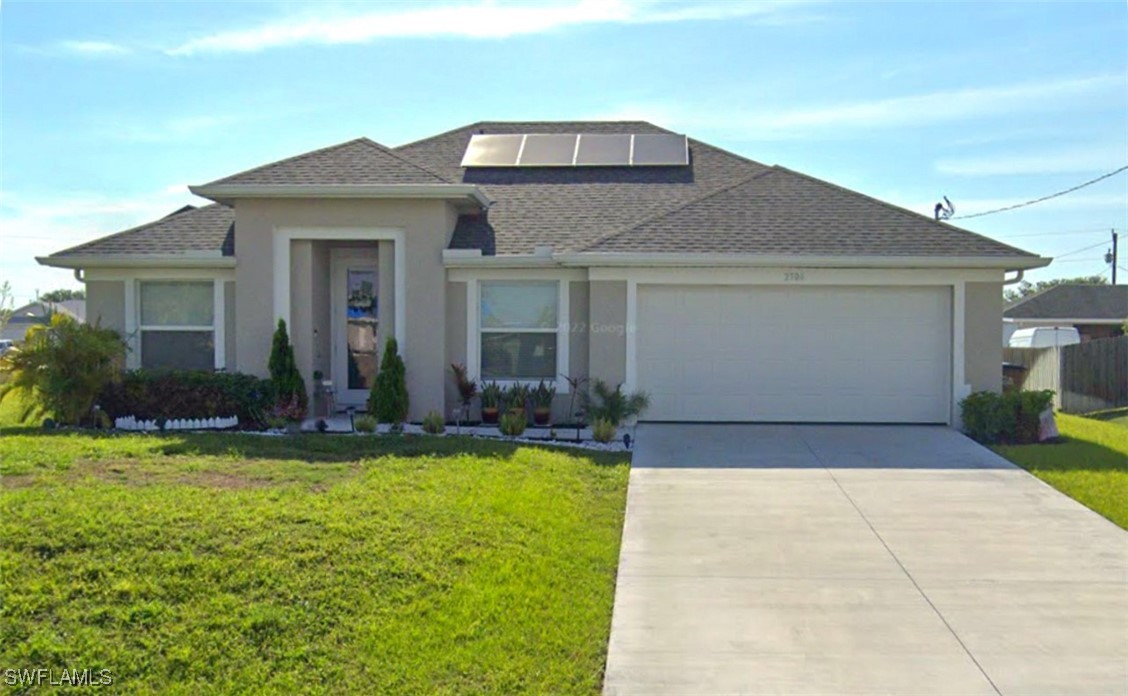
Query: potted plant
point(542, 397)
point(491, 401)
point(516, 398)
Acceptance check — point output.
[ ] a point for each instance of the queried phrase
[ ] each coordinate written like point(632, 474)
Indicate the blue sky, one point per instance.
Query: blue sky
point(111, 109)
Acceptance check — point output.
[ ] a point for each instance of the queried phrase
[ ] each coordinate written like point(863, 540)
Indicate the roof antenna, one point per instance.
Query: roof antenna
point(944, 210)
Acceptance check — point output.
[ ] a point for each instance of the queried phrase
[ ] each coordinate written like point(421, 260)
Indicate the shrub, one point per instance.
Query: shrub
point(1011, 417)
point(467, 388)
point(284, 374)
point(433, 423)
point(388, 400)
point(170, 394)
point(612, 405)
point(516, 396)
point(63, 365)
point(364, 424)
point(602, 430)
point(512, 424)
point(491, 395)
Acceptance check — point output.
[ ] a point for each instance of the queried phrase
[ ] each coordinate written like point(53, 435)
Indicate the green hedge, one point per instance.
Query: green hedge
point(189, 394)
point(1011, 417)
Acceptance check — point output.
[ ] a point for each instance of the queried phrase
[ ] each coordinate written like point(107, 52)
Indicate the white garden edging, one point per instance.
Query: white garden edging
point(150, 426)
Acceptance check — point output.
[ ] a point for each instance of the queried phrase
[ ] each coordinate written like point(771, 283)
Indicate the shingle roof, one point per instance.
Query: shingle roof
point(720, 203)
point(360, 161)
point(1073, 302)
point(568, 208)
point(783, 212)
point(190, 229)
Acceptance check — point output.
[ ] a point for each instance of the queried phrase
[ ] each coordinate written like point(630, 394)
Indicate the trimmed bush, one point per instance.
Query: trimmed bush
point(512, 424)
point(365, 424)
point(169, 394)
point(1011, 417)
point(289, 387)
point(388, 400)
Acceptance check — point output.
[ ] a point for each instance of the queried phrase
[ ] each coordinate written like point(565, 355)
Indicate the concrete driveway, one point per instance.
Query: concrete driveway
point(765, 559)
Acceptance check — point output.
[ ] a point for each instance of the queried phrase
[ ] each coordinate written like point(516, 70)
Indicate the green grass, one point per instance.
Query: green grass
point(244, 564)
point(1089, 465)
point(1116, 415)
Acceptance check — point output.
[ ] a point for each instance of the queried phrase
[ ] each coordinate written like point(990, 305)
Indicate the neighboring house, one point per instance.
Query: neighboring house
point(1096, 311)
point(23, 318)
point(727, 289)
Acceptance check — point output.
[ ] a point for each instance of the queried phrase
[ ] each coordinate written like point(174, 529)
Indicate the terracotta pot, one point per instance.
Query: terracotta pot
point(541, 415)
point(489, 415)
point(519, 412)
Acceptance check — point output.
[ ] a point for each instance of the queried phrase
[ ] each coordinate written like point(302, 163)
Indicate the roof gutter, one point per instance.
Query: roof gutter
point(1008, 263)
point(227, 193)
point(77, 261)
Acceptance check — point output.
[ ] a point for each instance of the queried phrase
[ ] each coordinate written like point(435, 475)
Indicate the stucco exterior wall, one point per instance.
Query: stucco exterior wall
point(105, 303)
point(229, 323)
point(426, 226)
point(607, 337)
point(983, 355)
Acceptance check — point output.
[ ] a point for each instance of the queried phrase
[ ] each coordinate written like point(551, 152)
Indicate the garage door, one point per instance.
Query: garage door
point(794, 354)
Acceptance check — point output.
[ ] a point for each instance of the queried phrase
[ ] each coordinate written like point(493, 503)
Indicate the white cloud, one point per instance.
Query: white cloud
point(92, 48)
point(481, 20)
point(1084, 159)
point(911, 111)
point(38, 225)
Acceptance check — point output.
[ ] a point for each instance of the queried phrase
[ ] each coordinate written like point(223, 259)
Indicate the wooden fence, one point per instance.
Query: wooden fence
point(1089, 376)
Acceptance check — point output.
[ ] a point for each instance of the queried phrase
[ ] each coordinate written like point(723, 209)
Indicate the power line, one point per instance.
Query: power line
point(1078, 251)
point(1089, 230)
point(1043, 198)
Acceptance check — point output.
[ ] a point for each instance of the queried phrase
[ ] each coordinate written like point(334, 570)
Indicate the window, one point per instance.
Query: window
point(177, 325)
point(518, 325)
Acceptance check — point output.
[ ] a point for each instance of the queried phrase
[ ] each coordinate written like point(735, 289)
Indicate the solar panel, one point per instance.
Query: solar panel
point(583, 150)
point(604, 149)
point(660, 149)
point(548, 150)
point(492, 150)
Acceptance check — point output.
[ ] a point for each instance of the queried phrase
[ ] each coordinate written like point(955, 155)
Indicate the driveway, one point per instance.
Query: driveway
point(780, 559)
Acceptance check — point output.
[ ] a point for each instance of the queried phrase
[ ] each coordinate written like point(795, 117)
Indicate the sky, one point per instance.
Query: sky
point(109, 110)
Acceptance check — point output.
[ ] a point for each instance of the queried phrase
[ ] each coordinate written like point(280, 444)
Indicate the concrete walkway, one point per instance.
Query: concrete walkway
point(764, 559)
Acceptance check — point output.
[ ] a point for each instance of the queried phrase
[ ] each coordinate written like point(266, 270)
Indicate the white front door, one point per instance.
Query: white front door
point(355, 306)
point(811, 354)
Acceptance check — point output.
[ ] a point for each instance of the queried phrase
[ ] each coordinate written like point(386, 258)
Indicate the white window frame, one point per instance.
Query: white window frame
point(219, 353)
point(132, 278)
point(474, 329)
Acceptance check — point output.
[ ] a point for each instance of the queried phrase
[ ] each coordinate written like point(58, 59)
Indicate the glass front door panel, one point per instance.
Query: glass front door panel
point(361, 328)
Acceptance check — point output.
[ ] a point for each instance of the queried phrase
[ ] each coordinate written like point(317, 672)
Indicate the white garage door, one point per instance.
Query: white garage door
point(794, 354)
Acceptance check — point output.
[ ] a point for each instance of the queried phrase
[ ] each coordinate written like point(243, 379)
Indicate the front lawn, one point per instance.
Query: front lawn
point(1090, 465)
point(224, 564)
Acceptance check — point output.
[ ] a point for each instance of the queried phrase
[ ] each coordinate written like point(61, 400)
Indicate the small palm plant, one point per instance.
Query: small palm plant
point(611, 406)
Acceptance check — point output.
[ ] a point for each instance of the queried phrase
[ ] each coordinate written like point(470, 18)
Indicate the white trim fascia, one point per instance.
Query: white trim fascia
point(224, 193)
point(148, 273)
point(462, 275)
point(201, 260)
point(791, 275)
point(462, 260)
point(282, 238)
point(132, 310)
point(1051, 322)
point(795, 261)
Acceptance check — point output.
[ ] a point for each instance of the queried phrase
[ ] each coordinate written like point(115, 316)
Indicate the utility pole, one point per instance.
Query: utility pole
point(1110, 256)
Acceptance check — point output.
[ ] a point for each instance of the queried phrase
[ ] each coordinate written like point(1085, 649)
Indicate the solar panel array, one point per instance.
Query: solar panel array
point(577, 150)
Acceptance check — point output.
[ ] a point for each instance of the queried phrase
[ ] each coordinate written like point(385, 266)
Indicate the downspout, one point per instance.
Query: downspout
point(1016, 279)
point(80, 276)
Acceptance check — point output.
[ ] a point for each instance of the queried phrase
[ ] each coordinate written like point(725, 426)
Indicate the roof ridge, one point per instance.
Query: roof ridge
point(294, 158)
point(898, 209)
point(677, 208)
point(389, 151)
point(440, 135)
point(138, 228)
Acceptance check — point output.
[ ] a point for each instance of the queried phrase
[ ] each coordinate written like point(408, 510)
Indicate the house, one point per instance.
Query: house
point(1096, 311)
point(23, 318)
point(728, 289)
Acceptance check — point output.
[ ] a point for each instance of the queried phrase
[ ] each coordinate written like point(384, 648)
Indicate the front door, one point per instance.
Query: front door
point(355, 310)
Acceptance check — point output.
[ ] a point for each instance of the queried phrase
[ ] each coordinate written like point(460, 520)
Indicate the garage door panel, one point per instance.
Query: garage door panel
point(830, 354)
